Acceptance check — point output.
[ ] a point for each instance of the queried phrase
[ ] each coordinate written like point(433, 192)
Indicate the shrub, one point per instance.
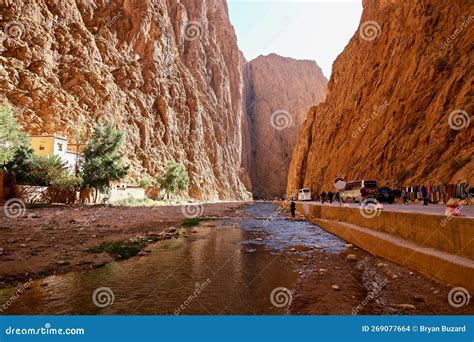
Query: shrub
point(11, 137)
point(174, 179)
point(63, 189)
point(145, 183)
point(44, 171)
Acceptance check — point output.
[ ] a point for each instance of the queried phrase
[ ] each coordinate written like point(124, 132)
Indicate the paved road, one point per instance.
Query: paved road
point(435, 209)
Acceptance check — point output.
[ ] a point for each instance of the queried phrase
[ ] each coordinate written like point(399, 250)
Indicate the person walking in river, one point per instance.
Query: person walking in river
point(293, 208)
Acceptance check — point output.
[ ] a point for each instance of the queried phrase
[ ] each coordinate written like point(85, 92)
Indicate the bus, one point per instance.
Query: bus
point(357, 191)
point(304, 194)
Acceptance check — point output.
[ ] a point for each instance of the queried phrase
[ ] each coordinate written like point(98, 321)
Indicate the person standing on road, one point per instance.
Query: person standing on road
point(293, 208)
point(330, 196)
point(424, 195)
point(323, 197)
point(404, 196)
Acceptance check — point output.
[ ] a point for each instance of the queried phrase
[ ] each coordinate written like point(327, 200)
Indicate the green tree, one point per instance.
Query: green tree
point(44, 171)
point(11, 136)
point(102, 162)
point(20, 163)
point(174, 179)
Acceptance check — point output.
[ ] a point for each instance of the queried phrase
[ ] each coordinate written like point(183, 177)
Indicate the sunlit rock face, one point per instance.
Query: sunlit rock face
point(399, 101)
point(168, 73)
point(279, 92)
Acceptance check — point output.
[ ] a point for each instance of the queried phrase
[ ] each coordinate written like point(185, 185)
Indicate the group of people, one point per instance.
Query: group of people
point(329, 196)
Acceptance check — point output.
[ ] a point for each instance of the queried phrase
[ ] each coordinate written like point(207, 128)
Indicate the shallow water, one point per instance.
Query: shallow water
point(229, 266)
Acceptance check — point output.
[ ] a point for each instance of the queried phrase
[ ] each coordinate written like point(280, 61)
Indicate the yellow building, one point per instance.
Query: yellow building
point(47, 145)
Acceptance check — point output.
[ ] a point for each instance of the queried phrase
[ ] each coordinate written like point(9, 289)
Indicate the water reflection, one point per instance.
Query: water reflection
point(239, 272)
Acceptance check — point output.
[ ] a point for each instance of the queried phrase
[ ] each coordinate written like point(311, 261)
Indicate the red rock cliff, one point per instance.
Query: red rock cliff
point(399, 101)
point(167, 72)
point(279, 91)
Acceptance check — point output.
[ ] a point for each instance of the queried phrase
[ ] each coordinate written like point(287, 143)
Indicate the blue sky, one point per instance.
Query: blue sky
point(302, 29)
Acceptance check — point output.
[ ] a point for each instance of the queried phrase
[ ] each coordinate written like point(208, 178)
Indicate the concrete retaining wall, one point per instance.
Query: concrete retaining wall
point(439, 248)
point(452, 236)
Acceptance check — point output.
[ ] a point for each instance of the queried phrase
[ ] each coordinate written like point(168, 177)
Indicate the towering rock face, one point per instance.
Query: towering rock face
point(399, 101)
point(167, 72)
point(279, 91)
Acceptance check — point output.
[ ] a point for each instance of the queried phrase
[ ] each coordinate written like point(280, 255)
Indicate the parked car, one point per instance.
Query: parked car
point(304, 194)
point(359, 190)
point(385, 195)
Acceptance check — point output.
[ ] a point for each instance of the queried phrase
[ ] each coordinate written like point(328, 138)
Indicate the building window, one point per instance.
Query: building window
point(60, 147)
point(41, 147)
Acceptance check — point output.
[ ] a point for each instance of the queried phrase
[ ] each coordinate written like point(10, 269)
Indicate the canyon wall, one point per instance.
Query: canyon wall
point(167, 72)
point(399, 103)
point(278, 92)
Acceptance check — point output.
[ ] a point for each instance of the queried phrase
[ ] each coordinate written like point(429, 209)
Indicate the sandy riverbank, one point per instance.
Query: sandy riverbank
point(56, 239)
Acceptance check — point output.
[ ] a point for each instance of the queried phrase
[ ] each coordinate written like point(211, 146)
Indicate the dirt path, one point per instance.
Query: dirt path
point(54, 240)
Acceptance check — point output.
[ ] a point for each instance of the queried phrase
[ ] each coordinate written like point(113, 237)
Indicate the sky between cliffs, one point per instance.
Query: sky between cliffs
point(302, 29)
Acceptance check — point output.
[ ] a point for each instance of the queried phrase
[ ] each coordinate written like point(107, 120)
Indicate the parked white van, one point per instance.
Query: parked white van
point(304, 194)
point(357, 191)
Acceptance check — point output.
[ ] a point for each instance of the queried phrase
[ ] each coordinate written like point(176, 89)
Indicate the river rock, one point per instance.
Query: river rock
point(335, 287)
point(258, 239)
point(34, 216)
point(418, 298)
point(171, 230)
point(352, 257)
point(403, 306)
point(349, 245)
point(2, 251)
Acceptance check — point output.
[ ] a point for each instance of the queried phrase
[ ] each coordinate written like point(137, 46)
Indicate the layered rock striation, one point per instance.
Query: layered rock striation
point(167, 72)
point(399, 103)
point(278, 92)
